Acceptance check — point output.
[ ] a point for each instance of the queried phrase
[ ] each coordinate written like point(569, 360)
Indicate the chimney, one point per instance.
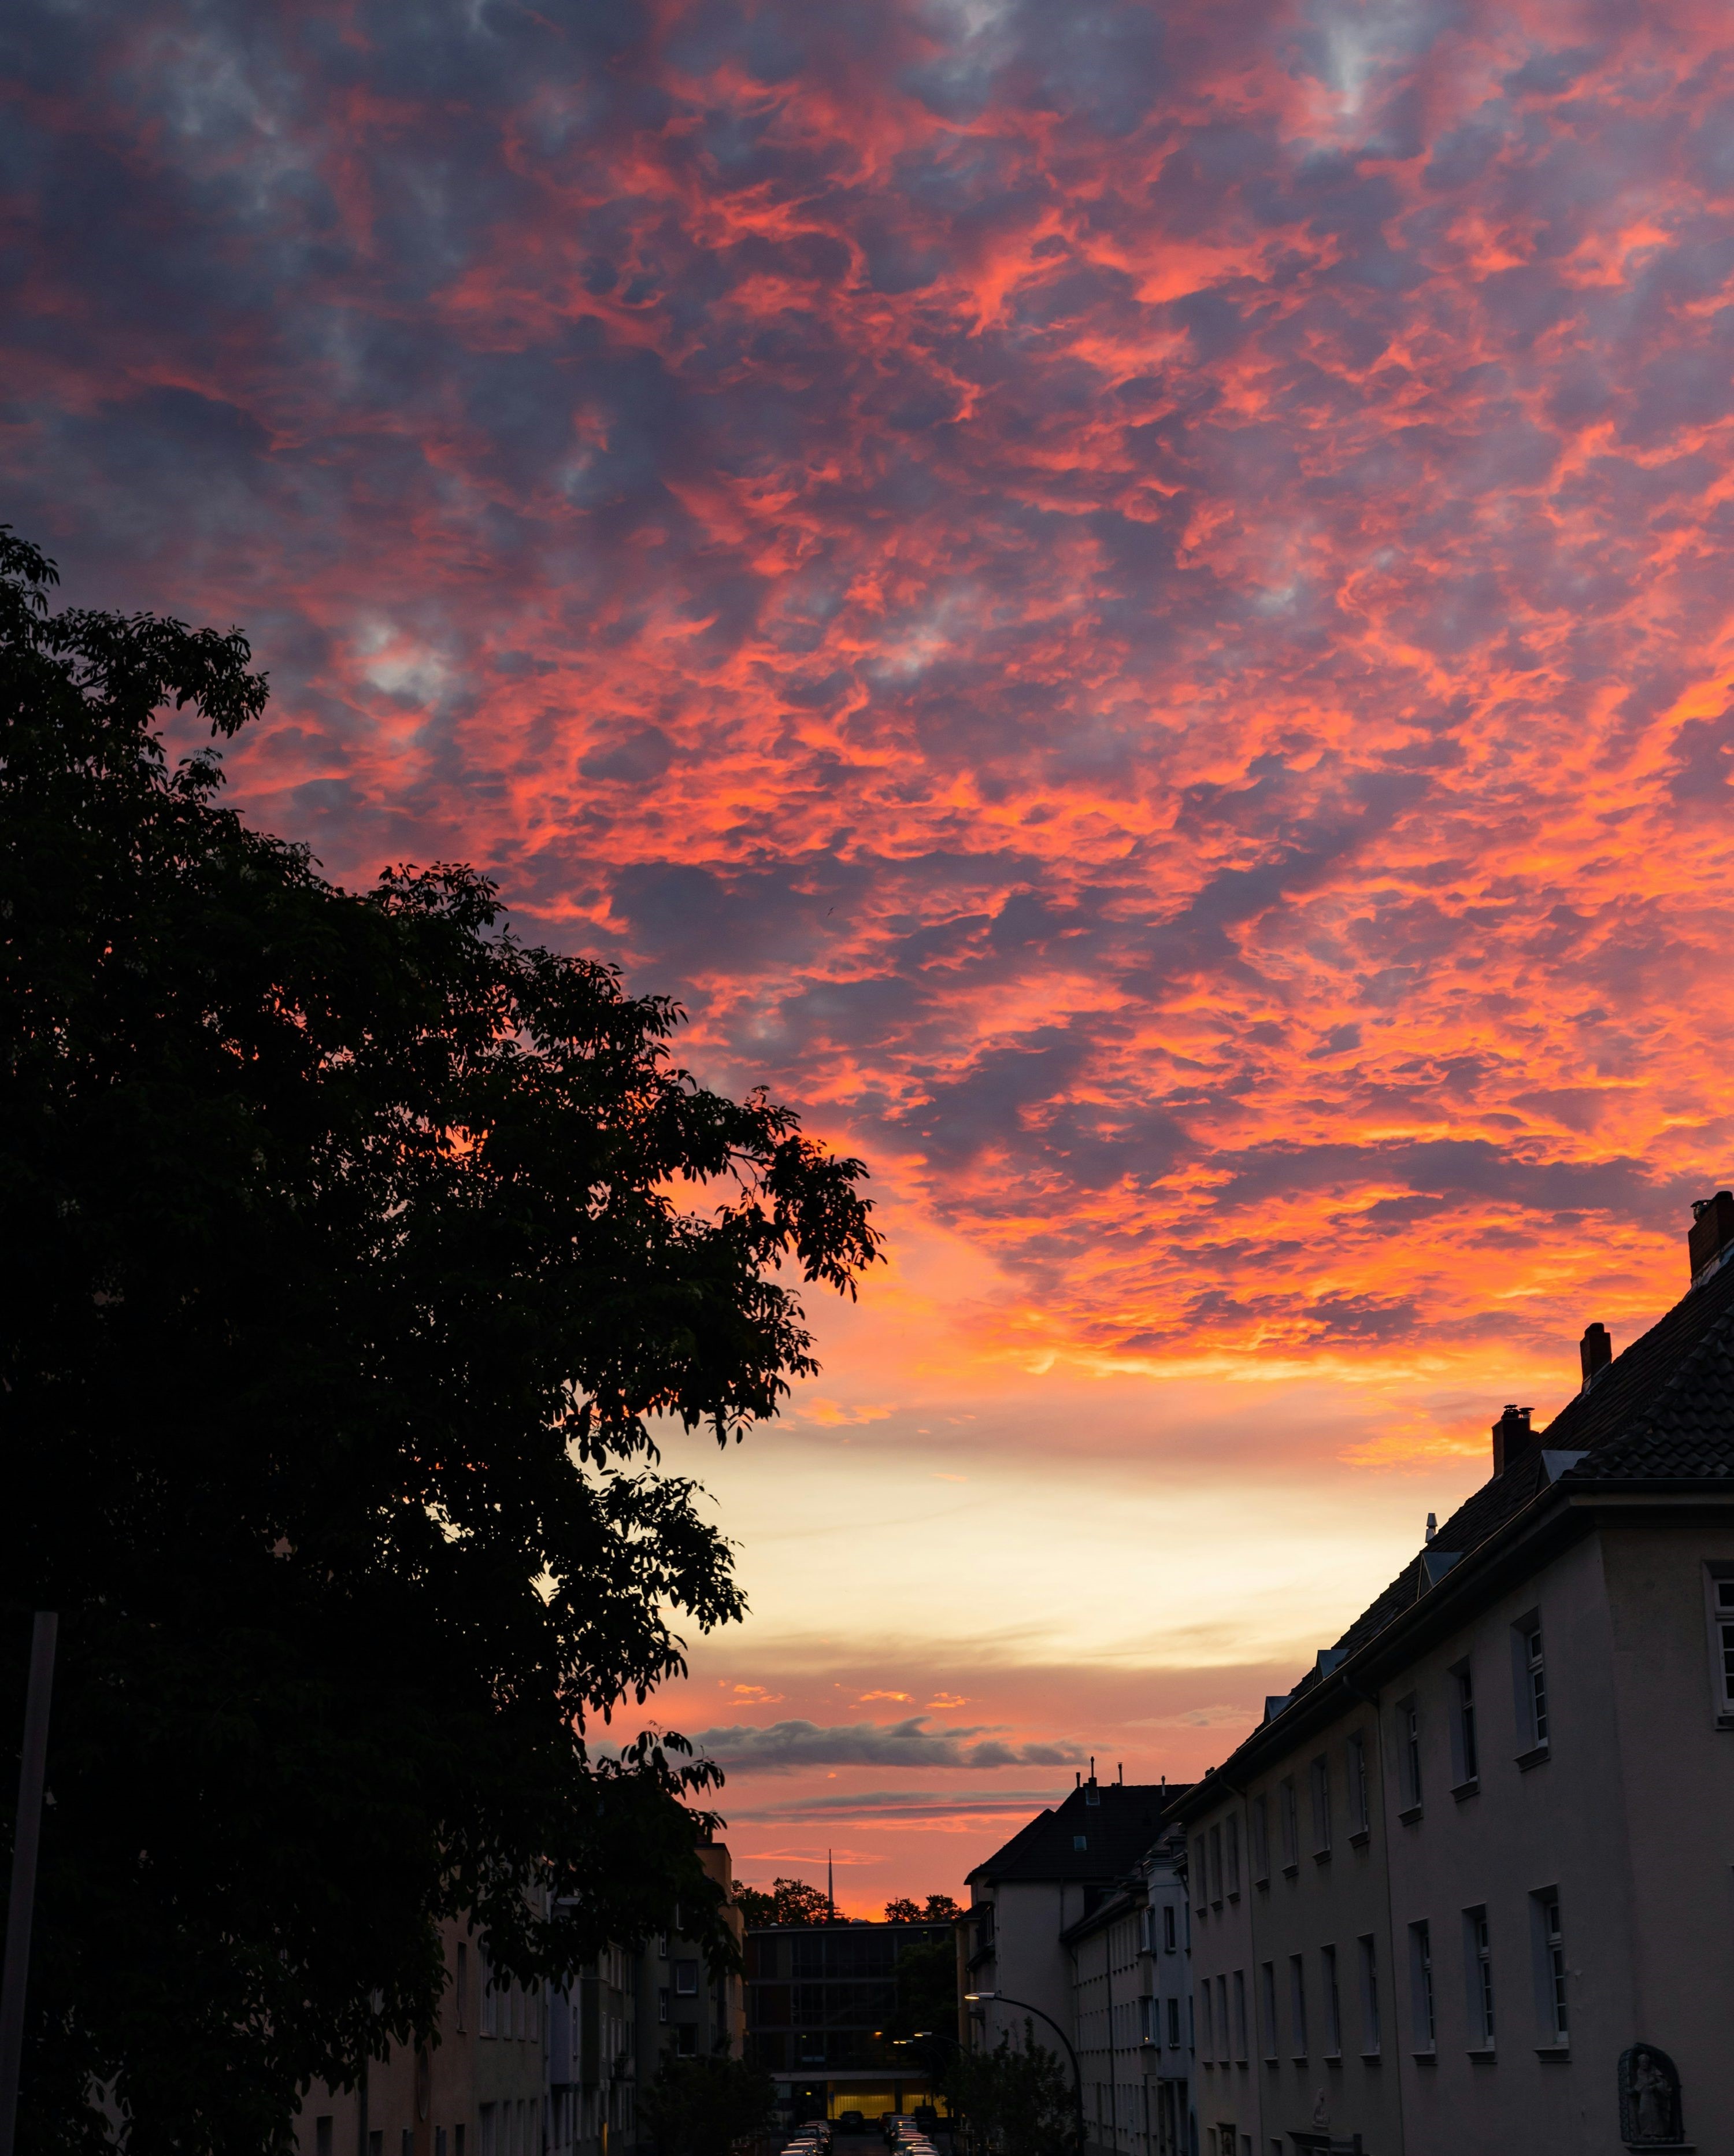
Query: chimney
point(1595, 1350)
point(1710, 1241)
point(1432, 1526)
point(1512, 1438)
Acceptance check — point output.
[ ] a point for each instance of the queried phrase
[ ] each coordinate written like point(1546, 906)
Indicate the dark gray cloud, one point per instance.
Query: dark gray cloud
point(781, 1746)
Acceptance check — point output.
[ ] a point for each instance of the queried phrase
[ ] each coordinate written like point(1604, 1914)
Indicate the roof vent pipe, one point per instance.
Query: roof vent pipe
point(1595, 1351)
point(1512, 1439)
point(1432, 1525)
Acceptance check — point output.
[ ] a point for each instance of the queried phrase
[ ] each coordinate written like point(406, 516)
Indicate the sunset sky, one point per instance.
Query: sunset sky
point(1131, 603)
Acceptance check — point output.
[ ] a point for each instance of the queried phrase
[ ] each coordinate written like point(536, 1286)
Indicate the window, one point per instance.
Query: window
point(1231, 1843)
point(484, 2130)
point(376, 2142)
point(491, 1999)
point(1290, 1824)
point(1080, 1841)
point(406, 2142)
point(662, 2003)
point(457, 2141)
point(1146, 1931)
point(1550, 1969)
point(1370, 2037)
point(1297, 2004)
point(1529, 1667)
point(1267, 2001)
point(686, 1979)
point(439, 2141)
point(1147, 2020)
point(1478, 1963)
point(1322, 1807)
point(1722, 1639)
point(1168, 1927)
point(1465, 1765)
point(1206, 2023)
point(1260, 1840)
point(1222, 2017)
point(686, 2040)
point(1092, 1792)
point(1173, 2024)
point(662, 1946)
point(1409, 1743)
point(1216, 1867)
point(1360, 1820)
point(460, 1987)
point(1240, 2015)
point(1421, 1986)
point(1333, 2004)
point(1200, 1874)
point(322, 2136)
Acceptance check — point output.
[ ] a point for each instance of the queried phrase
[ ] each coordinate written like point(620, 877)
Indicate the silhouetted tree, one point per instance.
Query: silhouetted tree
point(1019, 2101)
point(789, 1902)
point(698, 2107)
point(351, 1248)
point(940, 1909)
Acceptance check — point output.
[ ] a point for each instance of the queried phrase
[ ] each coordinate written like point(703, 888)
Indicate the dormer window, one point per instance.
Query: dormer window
point(1092, 1794)
point(1080, 1841)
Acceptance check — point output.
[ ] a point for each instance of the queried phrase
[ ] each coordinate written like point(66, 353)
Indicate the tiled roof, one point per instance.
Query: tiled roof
point(1664, 1410)
point(1117, 1831)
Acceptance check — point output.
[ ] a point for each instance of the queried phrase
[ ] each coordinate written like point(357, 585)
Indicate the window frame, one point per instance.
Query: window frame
point(1360, 1795)
point(1298, 2032)
point(1372, 2035)
point(1478, 1978)
point(1267, 2003)
point(1411, 1781)
point(1239, 1998)
point(1529, 1677)
point(1553, 2006)
point(1465, 1753)
point(1719, 1575)
point(1260, 1838)
point(1318, 1777)
point(1423, 2003)
point(1289, 1819)
point(1332, 2001)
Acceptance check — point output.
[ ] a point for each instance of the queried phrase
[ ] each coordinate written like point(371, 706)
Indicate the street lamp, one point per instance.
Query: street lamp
point(1023, 2006)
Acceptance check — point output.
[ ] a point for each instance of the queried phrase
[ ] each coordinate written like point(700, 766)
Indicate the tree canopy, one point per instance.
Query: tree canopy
point(700, 2106)
point(939, 1909)
point(1019, 2100)
point(354, 1247)
point(789, 1902)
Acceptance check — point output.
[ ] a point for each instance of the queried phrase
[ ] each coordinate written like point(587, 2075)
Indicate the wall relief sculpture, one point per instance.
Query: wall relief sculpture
point(1649, 2114)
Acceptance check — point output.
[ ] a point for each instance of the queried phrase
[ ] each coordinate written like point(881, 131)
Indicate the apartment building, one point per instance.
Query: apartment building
point(1131, 2012)
point(683, 2010)
point(1467, 1886)
point(480, 2090)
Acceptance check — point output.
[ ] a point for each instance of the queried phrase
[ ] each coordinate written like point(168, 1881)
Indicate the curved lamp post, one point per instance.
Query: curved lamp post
point(1023, 2006)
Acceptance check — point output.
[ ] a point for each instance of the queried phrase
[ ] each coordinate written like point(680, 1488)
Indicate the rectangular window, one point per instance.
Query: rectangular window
point(1216, 1866)
point(1322, 1807)
point(1146, 2021)
point(1173, 2024)
point(1167, 1928)
point(1231, 1848)
point(322, 2137)
point(662, 2003)
point(439, 2141)
point(1360, 1820)
point(1421, 1987)
point(1478, 1964)
point(1290, 1812)
point(1297, 2005)
point(686, 1979)
point(1222, 2017)
point(1465, 1762)
point(1267, 2001)
point(1722, 1638)
point(1333, 2004)
point(1260, 1840)
point(490, 1999)
point(484, 2130)
point(1528, 1667)
point(1551, 2015)
point(1206, 2022)
point(1147, 1935)
point(1240, 2015)
point(1409, 1751)
point(1200, 1873)
point(1370, 2034)
point(460, 1987)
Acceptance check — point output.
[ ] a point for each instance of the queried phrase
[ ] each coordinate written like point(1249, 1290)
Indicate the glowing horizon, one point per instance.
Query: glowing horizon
point(1131, 609)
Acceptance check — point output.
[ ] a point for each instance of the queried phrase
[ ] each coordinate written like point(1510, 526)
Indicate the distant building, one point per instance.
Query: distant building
point(1132, 2015)
point(821, 2000)
point(684, 2011)
point(1058, 1938)
point(1468, 1885)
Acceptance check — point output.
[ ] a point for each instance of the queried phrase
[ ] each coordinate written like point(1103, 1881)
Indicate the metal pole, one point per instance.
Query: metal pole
point(26, 1836)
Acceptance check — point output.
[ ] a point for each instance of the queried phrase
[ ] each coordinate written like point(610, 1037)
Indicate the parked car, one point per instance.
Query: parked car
point(851, 2121)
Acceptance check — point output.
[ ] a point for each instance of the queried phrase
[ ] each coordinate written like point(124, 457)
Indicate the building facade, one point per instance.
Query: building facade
point(1468, 1885)
point(823, 2007)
